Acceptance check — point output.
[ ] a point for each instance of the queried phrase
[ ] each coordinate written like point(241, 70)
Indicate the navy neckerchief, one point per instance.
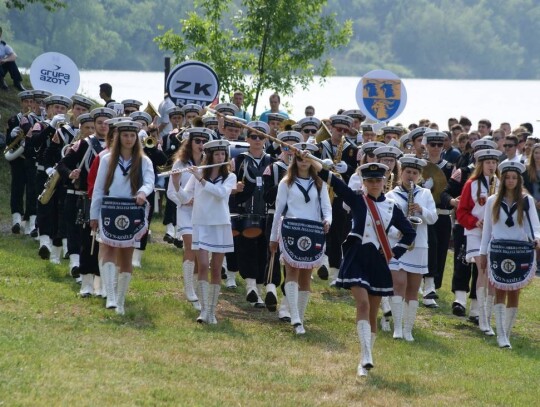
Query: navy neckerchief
point(305, 191)
point(125, 169)
point(509, 221)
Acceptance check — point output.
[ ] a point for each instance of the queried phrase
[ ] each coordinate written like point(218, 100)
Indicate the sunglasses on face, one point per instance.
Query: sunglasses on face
point(435, 144)
point(309, 131)
point(508, 145)
point(341, 129)
point(198, 140)
point(256, 136)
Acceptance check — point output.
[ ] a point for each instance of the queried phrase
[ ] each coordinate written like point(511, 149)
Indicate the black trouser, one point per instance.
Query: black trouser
point(276, 271)
point(59, 217)
point(88, 262)
point(438, 240)
point(31, 196)
point(251, 255)
point(73, 231)
point(13, 70)
point(18, 185)
point(144, 239)
point(169, 214)
point(232, 257)
point(463, 271)
point(340, 228)
point(45, 221)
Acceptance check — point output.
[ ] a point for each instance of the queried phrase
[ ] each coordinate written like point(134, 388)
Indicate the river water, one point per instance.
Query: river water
point(436, 99)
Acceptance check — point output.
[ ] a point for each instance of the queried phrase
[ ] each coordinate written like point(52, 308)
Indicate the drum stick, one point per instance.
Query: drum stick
point(93, 233)
point(82, 162)
point(274, 139)
point(271, 268)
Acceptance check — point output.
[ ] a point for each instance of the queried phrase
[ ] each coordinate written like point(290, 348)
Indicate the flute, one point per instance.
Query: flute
point(181, 170)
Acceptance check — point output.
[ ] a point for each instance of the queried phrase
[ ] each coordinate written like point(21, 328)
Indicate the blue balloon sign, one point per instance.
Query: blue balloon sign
point(381, 95)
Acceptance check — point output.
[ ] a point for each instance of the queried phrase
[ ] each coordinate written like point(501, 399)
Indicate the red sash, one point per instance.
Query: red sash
point(379, 228)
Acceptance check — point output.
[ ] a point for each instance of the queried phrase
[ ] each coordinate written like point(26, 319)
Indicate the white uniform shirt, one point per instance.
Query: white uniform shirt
point(500, 230)
point(120, 186)
point(297, 207)
point(210, 201)
point(423, 197)
point(180, 196)
point(5, 51)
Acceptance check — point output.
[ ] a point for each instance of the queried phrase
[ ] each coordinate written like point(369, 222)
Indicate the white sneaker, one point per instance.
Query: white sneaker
point(299, 330)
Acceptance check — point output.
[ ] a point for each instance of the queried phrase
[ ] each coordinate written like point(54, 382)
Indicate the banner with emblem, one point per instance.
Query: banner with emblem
point(381, 95)
point(55, 73)
point(302, 242)
point(192, 82)
point(122, 223)
point(512, 263)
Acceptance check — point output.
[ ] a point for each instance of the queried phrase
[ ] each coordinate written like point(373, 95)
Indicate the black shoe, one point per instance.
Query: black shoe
point(66, 256)
point(431, 306)
point(259, 305)
point(3, 84)
point(19, 86)
point(75, 272)
point(458, 310)
point(223, 273)
point(178, 243)
point(271, 301)
point(34, 233)
point(285, 319)
point(252, 297)
point(322, 272)
point(388, 314)
point(474, 320)
point(44, 252)
point(16, 228)
point(168, 238)
point(432, 295)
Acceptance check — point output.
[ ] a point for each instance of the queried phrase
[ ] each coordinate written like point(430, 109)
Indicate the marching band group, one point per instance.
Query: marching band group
point(373, 213)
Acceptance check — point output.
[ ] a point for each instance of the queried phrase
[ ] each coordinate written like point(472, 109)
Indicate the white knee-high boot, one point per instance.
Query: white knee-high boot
point(490, 299)
point(123, 285)
point(213, 297)
point(188, 268)
point(202, 293)
point(108, 275)
point(396, 303)
point(291, 291)
point(511, 314)
point(409, 316)
point(303, 299)
point(482, 317)
point(364, 335)
point(87, 285)
point(500, 317)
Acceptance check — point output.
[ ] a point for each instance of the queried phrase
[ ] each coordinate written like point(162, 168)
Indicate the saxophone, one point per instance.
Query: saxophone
point(49, 187)
point(415, 220)
point(491, 185)
point(337, 159)
point(389, 183)
point(15, 148)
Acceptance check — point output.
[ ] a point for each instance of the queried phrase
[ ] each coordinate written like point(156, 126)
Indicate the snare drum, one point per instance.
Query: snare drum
point(252, 225)
point(236, 225)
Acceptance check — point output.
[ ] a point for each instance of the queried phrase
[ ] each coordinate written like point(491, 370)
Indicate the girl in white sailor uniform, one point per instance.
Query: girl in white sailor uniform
point(124, 173)
point(210, 189)
point(301, 194)
point(364, 269)
point(470, 214)
point(408, 270)
point(368, 156)
point(190, 154)
point(509, 215)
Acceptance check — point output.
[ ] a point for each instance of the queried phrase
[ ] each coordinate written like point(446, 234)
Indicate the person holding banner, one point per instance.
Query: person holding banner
point(125, 178)
point(366, 251)
point(210, 189)
point(510, 234)
point(303, 202)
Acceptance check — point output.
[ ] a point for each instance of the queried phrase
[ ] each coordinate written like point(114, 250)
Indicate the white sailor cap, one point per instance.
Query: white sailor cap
point(296, 127)
point(534, 138)
point(258, 125)
point(115, 120)
point(355, 114)
point(369, 147)
point(57, 100)
point(200, 132)
point(232, 121)
point(85, 118)
point(82, 101)
point(138, 115)
point(210, 121)
point(103, 112)
point(276, 117)
point(306, 146)
point(387, 151)
point(373, 170)
point(226, 108)
point(309, 121)
point(433, 135)
point(217, 145)
point(110, 105)
point(128, 125)
point(341, 119)
point(177, 110)
point(483, 144)
point(192, 108)
point(40, 94)
point(392, 130)
point(409, 160)
point(131, 103)
point(290, 136)
point(512, 166)
point(25, 94)
point(367, 127)
point(405, 140)
point(418, 132)
point(487, 154)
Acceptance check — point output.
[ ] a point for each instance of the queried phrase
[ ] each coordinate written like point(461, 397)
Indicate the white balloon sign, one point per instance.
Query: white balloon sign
point(56, 73)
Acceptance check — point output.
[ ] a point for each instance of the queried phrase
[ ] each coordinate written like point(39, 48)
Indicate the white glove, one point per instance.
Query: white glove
point(327, 163)
point(57, 119)
point(341, 167)
point(49, 171)
point(428, 183)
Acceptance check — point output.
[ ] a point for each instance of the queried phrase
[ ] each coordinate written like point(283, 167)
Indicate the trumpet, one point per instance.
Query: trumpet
point(150, 142)
point(181, 170)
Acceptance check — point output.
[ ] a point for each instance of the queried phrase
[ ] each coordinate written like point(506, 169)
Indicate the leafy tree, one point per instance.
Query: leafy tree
point(50, 5)
point(281, 44)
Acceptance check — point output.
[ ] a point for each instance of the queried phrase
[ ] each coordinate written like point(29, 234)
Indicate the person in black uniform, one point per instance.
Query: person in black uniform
point(343, 155)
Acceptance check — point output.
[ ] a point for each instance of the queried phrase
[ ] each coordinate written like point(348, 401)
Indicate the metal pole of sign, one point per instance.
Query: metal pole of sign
point(167, 70)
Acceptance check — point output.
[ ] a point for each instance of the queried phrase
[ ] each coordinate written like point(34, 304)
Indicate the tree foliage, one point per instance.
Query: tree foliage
point(49, 5)
point(280, 44)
